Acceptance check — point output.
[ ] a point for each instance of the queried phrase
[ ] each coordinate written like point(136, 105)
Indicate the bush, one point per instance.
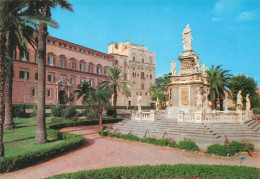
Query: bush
point(18, 111)
point(110, 112)
point(188, 145)
point(69, 112)
point(167, 171)
point(57, 111)
point(234, 147)
point(256, 110)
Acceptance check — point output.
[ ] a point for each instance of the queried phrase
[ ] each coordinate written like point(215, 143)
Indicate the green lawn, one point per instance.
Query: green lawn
point(21, 139)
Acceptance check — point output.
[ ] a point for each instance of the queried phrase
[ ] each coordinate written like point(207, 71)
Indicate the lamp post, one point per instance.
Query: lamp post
point(24, 94)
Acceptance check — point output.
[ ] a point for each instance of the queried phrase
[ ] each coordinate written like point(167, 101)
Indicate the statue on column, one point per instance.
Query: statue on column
point(248, 103)
point(173, 67)
point(157, 104)
point(186, 39)
point(239, 101)
point(199, 99)
point(203, 69)
point(139, 101)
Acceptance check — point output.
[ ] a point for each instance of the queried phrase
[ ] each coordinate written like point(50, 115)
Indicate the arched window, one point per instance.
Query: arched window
point(90, 68)
point(62, 62)
point(99, 70)
point(36, 57)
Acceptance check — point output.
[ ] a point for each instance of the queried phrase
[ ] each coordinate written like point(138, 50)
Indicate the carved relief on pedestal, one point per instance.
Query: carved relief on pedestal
point(185, 96)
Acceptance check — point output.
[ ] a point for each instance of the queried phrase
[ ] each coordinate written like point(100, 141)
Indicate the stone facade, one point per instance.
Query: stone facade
point(68, 64)
point(139, 68)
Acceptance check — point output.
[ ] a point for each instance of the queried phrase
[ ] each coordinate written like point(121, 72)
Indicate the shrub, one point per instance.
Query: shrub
point(69, 112)
point(167, 171)
point(217, 149)
point(188, 145)
point(256, 110)
point(57, 111)
point(18, 111)
point(110, 112)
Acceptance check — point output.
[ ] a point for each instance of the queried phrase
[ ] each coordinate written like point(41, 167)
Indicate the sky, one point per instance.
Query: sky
point(224, 32)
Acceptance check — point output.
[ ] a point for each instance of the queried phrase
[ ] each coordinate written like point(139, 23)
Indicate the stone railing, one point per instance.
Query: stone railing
point(149, 116)
point(217, 117)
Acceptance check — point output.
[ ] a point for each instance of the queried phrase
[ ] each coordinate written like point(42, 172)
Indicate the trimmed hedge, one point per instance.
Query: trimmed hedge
point(183, 144)
point(71, 141)
point(167, 171)
point(234, 147)
point(48, 106)
point(134, 107)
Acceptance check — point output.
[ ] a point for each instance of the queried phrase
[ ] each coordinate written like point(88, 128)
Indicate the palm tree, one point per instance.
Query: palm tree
point(115, 84)
point(43, 7)
point(99, 99)
point(83, 91)
point(19, 32)
point(219, 82)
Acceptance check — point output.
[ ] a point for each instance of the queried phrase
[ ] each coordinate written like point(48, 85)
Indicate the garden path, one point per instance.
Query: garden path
point(100, 152)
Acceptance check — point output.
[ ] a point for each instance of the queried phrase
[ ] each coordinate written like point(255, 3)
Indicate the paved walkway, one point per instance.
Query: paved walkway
point(100, 152)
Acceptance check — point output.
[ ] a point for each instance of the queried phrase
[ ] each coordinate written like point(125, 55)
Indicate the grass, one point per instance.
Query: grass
point(21, 139)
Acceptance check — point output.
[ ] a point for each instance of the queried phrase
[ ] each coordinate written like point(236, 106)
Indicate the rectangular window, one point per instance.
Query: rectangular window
point(62, 45)
point(82, 50)
point(82, 66)
point(73, 65)
point(106, 58)
point(51, 41)
point(99, 70)
point(82, 80)
point(151, 76)
point(98, 55)
point(48, 93)
point(36, 76)
point(62, 63)
point(24, 57)
point(24, 74)
point(72, 48)
point(50, 60)
point(51, 78)
point(33, 92)
point(91, 83)
point(36, 57)
point(90, 69)
point(90, 53)
point(142, 86)
point(142, 75)
point(72, 81)
point(105, 71)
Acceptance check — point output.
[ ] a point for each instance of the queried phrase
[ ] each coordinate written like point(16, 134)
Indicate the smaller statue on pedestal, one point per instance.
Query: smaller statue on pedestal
point(173, 67)
point(239, 101)
point(157, 104)
point(199, 100)
point(186, 39)
point(248, 103)
point(204, 69)
point(139, 101)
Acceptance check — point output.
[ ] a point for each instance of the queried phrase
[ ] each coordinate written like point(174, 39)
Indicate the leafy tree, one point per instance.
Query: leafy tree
point(159, 90)
point(219, 80)
point(43, 8)
point(115, 84)
point(83, 91)
point(247, 85)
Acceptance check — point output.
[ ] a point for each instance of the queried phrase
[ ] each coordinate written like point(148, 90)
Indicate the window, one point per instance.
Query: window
point(142, 75)
point(82, 67)
point(48, 93)
point(50, 60)
point(133, 58)
point(72, 81)
point(82, 80)
point(36, 76)
point(82, 50)
point(73, 65)
point(106, 58)
point(33, 92)
point(24, 57)
point(90, 53)
point(105, 71)
point(98, 55)
point(36, 57)
point(116, 62)
point(91, 83)
point(51, 41)
point(72, 48)
point(99, 70)
point(62, 45)
point(151, 76)
point(90, 68)
point(24, 74)
point(143, 60)
point(51, 78)
point(62, 63)
point(142, 86)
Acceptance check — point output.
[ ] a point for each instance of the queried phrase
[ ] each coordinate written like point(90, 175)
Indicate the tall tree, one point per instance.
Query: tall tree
point(115, 84)
point(219, 80)
point(247, 85)
point(19, 32)
point(43, 7)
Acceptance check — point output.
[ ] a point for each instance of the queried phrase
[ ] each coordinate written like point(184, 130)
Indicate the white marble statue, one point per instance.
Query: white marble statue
point(199, 100)
point(225, 103)
point(187, 38)
point(203, 69)
point(157, 104)
point(139, 101)
point(239, 101)
point(173, 67)
point(248, 103)
point(168, 103)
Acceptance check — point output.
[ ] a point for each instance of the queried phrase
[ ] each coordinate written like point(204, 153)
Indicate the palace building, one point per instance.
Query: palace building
point(139, 68)
point(67, 65)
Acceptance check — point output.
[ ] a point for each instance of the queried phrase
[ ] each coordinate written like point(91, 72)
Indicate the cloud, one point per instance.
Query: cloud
point(214, 19)
point(246, 16)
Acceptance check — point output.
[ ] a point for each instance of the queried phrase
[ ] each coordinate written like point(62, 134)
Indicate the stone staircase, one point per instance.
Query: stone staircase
point(253, 124)
point(202, 134)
